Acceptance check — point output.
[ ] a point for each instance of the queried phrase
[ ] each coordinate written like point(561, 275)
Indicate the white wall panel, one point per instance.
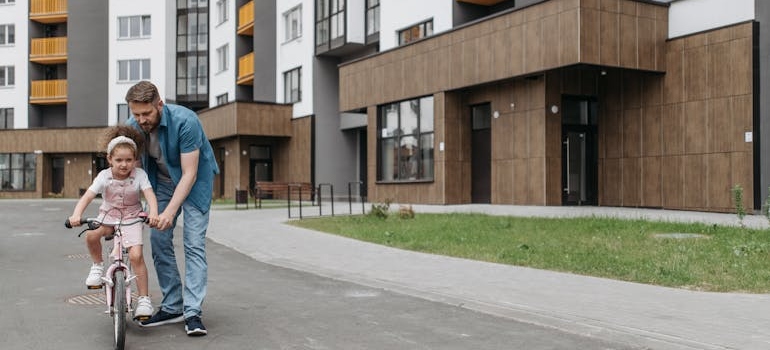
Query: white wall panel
point(693, 16)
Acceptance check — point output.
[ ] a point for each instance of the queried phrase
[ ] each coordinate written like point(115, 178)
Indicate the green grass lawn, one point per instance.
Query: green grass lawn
point(723, 259)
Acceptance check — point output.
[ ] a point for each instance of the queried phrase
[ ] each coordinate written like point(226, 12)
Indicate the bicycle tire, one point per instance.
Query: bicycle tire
point(120, 308)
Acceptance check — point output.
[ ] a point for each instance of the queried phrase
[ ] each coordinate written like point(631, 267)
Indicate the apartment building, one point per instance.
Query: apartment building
point(634, 103)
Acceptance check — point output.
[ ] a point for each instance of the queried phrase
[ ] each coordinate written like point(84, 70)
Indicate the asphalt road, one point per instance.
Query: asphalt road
point(250, 305)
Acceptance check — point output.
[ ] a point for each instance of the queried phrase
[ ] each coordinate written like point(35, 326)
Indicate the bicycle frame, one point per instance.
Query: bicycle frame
point(118, 263)
point(118, 273)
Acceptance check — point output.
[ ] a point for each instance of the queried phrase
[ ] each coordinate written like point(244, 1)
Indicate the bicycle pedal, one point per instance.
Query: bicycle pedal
point(141, 318)
point(95, 287)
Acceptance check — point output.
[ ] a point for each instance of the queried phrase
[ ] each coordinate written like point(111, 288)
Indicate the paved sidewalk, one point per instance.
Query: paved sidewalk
point(647, 316)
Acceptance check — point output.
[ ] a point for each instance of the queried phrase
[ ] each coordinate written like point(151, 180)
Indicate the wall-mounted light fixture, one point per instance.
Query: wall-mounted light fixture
point(496, 114)
point(244, 152)
point(554, 109)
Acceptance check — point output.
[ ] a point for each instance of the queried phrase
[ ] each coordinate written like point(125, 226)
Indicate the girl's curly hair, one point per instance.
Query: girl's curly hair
point(123, 130)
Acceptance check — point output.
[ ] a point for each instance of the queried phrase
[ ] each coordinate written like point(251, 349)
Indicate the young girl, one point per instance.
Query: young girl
point(121, 186)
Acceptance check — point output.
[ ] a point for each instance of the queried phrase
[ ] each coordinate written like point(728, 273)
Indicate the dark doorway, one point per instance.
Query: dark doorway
point(362, 165)
point(221, 164)
point(579, 151)
point(57, 174)
point(260, 165)
point(481, 150)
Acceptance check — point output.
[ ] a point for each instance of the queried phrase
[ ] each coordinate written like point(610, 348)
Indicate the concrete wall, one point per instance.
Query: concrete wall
point(87, 64)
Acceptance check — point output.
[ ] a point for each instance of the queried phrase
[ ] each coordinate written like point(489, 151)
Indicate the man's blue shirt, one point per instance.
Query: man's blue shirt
point(180, 131)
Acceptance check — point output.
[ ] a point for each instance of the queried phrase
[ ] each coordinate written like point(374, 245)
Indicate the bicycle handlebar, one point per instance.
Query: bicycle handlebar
point(94, 223)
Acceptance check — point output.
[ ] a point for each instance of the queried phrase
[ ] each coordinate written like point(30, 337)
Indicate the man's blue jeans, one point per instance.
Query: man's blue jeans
point(177, 299)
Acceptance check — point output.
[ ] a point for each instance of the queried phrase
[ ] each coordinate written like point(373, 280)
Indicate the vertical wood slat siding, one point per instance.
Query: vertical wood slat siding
point(681, 132)
point(545, 36)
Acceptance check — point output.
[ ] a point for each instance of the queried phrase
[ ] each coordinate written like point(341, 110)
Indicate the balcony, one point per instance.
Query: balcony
point(482, 2)
point(246, 19)
point(48, 92)
point(48, 50)
point(246, 69)
point(48, 11)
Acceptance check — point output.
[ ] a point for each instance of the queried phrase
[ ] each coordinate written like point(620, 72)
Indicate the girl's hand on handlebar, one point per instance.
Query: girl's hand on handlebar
point(75, 221)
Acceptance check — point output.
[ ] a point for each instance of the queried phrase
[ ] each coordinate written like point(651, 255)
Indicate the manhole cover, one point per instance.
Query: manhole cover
point(678, 235)
point(78, 256)
point(92, 299)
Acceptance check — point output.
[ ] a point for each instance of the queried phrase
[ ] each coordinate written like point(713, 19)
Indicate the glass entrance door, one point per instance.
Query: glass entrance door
point(579, 152)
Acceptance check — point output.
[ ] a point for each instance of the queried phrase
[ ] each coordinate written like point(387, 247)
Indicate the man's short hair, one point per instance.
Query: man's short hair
point(143, 92)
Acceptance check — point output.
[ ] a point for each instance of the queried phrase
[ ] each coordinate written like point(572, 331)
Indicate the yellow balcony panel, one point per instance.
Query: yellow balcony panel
point(48, 92)
point(246, 69)
point(48, 50)
point(482, 2)
point(246, 19)
point(48, 11)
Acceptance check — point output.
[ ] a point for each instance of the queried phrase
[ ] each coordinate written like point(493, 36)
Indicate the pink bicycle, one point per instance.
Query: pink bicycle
point(117, 279)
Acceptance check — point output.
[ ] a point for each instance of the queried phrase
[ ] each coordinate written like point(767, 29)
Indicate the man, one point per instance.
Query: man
point(180, 163)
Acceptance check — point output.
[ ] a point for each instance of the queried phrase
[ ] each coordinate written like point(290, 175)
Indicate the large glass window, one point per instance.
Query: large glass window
point(133, 70)
point(6, 118)
point(415, 32)
point(132, 27)
point(372, 17)
point(7, 34)
point(405, 141)
point(292, 20)
point(330, 21)
point(7, 76)
point(292, 92)
point(17, 171)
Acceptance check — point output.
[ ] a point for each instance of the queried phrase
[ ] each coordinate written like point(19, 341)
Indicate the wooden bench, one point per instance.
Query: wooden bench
point(282, 190)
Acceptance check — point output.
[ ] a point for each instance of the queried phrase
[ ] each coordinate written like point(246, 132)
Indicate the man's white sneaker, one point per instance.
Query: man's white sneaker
point(94, 279)
point(143, 308)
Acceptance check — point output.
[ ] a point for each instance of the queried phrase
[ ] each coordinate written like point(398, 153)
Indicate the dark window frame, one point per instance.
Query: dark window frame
point(11, 168)
point(291, 93)
point(415, 32)
point(415, 164)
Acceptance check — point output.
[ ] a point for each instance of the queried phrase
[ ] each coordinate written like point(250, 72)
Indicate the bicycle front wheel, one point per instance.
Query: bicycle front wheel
point(120, 306)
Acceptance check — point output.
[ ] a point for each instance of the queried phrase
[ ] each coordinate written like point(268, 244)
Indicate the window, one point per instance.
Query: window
point(372, 17)
point(17, 171)
point(291, 86)
point(415, 32)
point(134, 27)
point(222, 14)
point(184, 4)
point(7, 34)
point(6, 118)
point(133, 70)
point(223, 60)
point(330, 21)
point(222, 99)
point(192, 75)
point(405, 141)
point(192, 32)
point(122, 113)
point(7, 76)
point(292, 20)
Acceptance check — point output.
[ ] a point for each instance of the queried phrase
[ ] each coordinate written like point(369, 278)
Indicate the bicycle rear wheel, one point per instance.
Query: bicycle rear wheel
point(119, 308)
